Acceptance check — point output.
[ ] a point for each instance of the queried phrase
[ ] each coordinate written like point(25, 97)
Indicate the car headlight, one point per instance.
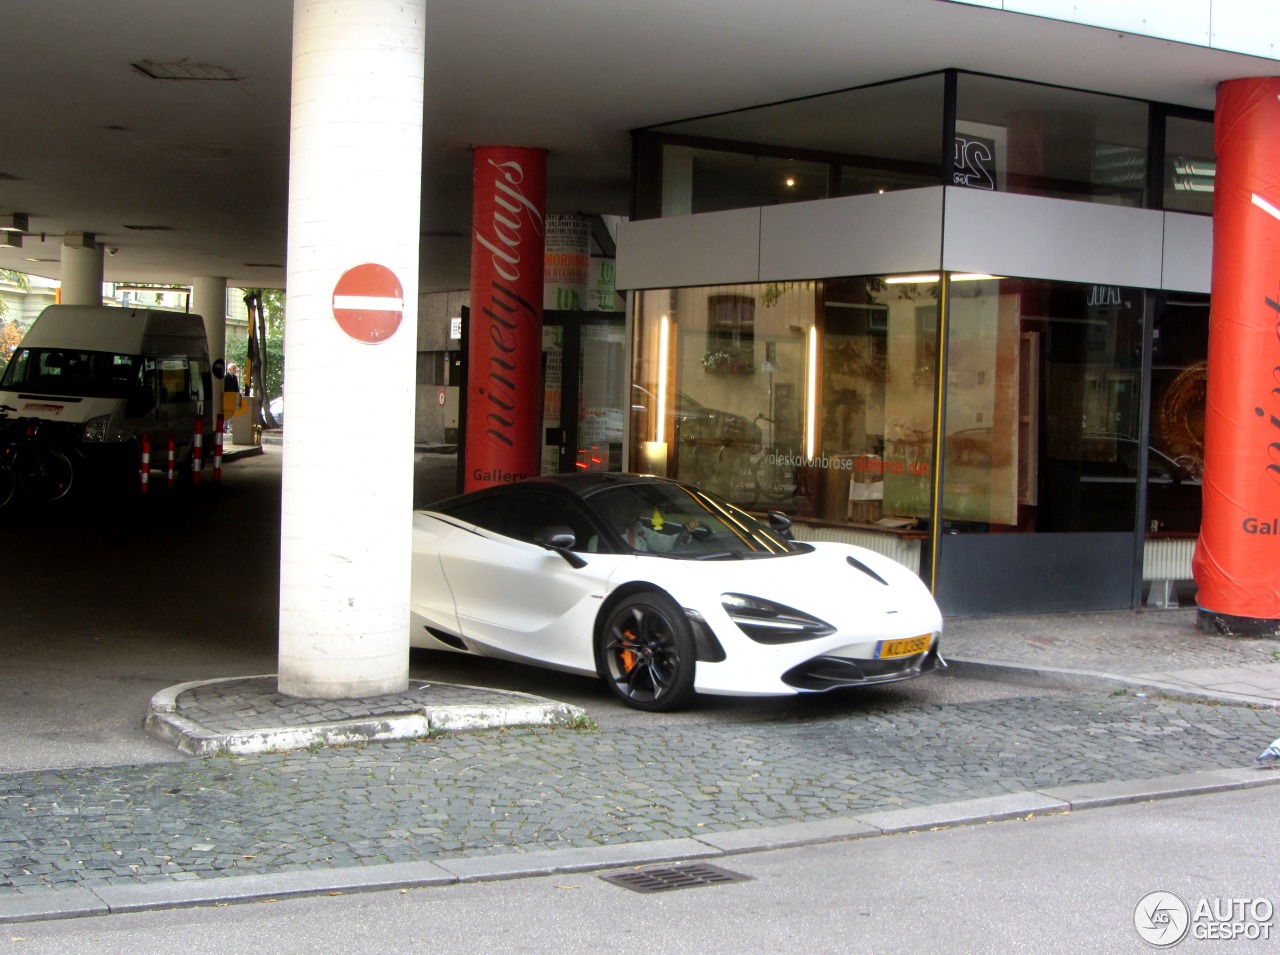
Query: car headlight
point(767, 622)
point(95, 430)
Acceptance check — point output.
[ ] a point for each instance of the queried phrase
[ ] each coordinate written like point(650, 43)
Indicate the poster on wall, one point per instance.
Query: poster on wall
point(567, 263)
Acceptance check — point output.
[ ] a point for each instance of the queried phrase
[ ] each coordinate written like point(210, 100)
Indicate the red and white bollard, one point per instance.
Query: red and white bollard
point(197, 451)
point(144, 474)
point(217, 451)
point(169, 473)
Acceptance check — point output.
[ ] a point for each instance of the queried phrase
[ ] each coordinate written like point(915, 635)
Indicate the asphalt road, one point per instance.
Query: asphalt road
point(1065, 884)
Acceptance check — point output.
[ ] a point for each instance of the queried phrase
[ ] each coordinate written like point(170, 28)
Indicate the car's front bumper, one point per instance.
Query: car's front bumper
point(823, 673)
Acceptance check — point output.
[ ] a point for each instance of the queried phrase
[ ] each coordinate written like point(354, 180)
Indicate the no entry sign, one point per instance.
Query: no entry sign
point(368, 303)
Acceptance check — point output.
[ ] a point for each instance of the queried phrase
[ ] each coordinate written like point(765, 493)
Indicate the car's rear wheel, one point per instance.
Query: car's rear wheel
point(645, 652)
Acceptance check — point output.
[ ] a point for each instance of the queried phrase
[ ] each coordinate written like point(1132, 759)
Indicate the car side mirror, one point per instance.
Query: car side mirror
point(780, 524)
point(559, 539)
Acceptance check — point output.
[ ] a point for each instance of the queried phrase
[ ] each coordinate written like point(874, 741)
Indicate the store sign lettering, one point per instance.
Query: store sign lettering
point(1100, 295)
point(863, 464)
point(1273, 448)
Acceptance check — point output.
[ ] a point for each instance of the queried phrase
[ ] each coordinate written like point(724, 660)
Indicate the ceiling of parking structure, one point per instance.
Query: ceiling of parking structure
point(190, 178)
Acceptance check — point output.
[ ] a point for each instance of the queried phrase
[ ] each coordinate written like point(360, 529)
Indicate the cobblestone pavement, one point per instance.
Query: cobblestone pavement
point(516, 791)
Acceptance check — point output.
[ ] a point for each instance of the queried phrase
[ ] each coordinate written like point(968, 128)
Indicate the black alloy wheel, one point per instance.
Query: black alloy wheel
point(645, 652)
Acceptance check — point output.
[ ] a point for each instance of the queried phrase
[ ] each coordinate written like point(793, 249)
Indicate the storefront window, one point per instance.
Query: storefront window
point(878, 368)
point(814, 398)
point(1043, 407)
point(1048, 141)
point(719, 387)
point(1178, 376)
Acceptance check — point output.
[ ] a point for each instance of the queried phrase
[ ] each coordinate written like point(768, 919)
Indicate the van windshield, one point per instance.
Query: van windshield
point(64, 371)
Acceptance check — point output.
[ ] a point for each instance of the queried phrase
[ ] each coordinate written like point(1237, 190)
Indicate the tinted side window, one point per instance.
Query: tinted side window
point(482, 513)
point(526, 514)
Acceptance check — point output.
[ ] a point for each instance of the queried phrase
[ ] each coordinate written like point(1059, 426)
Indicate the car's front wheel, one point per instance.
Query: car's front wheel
point(645, 652)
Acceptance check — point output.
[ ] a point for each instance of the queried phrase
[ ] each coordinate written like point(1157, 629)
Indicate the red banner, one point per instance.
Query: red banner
point(504, 365)
point(1237, 558)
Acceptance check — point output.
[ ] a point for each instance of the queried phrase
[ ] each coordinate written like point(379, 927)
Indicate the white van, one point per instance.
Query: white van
point(111, 375)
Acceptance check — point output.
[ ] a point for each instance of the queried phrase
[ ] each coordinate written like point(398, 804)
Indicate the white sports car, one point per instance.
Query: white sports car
point(663, 591)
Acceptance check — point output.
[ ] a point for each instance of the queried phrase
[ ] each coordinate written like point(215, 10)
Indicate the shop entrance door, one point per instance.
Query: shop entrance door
point(584, 391)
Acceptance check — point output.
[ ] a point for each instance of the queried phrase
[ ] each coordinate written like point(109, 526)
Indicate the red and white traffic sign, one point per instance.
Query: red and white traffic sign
point(368, 303)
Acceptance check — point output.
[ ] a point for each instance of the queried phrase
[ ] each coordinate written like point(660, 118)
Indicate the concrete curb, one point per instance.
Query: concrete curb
point(166, 723)
point(1071, 679)
point(78, 901)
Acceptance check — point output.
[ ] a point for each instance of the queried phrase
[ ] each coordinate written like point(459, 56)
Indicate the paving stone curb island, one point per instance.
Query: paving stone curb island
point(246, 715)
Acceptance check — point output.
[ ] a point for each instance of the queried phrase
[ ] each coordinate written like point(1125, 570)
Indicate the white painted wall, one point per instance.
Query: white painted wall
point(973, 230)
point(1235, 26)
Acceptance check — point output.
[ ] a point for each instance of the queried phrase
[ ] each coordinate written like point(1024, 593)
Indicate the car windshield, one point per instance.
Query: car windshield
point(677, 521)
point(64, 371)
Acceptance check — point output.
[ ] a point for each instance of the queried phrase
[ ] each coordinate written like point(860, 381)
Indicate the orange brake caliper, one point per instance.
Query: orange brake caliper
point(629, 657)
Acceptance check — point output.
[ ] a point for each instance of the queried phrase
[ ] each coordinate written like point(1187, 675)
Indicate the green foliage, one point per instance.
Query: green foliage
point(237, 352)
point(272, 348)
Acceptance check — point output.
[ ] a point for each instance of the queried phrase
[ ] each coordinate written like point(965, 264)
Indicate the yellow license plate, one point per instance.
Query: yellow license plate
point(903, 648)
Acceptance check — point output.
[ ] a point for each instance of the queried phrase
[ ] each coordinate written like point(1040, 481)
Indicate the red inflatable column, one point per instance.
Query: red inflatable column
point(1237, 558)
point(504, 365)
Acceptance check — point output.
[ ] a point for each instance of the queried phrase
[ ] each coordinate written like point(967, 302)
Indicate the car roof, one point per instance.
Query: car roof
point(580, 484)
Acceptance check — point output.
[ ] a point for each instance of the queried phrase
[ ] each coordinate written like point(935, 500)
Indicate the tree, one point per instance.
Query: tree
point(10, 336)
point(266, 367)
point(10, 331)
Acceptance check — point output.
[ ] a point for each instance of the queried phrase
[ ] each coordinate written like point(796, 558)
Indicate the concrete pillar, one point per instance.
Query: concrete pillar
point(209, 300)
point(355, 172)
point(81, 269)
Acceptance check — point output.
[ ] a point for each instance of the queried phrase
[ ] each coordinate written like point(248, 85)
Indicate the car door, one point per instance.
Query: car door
point(515, 598)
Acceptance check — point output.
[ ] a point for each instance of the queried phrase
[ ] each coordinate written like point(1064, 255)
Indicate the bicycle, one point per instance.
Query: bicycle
point(31, 462)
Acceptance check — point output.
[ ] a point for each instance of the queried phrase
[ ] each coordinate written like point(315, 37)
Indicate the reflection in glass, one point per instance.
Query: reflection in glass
point(824, 409)
point(1189, 165)
point(1049, 141)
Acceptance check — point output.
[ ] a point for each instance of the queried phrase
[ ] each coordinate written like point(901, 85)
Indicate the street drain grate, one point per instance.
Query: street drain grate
point(665, 878)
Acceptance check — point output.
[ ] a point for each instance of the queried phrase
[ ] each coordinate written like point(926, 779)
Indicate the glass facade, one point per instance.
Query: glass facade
point(781, 396)
point(818, 399)
point(962, 418)
point(1049, 141)
point(873, 139)
point(1005, 135)
point(1189, 165)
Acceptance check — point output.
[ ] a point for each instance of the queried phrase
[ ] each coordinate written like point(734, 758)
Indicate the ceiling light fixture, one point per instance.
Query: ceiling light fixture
point(13, 222)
